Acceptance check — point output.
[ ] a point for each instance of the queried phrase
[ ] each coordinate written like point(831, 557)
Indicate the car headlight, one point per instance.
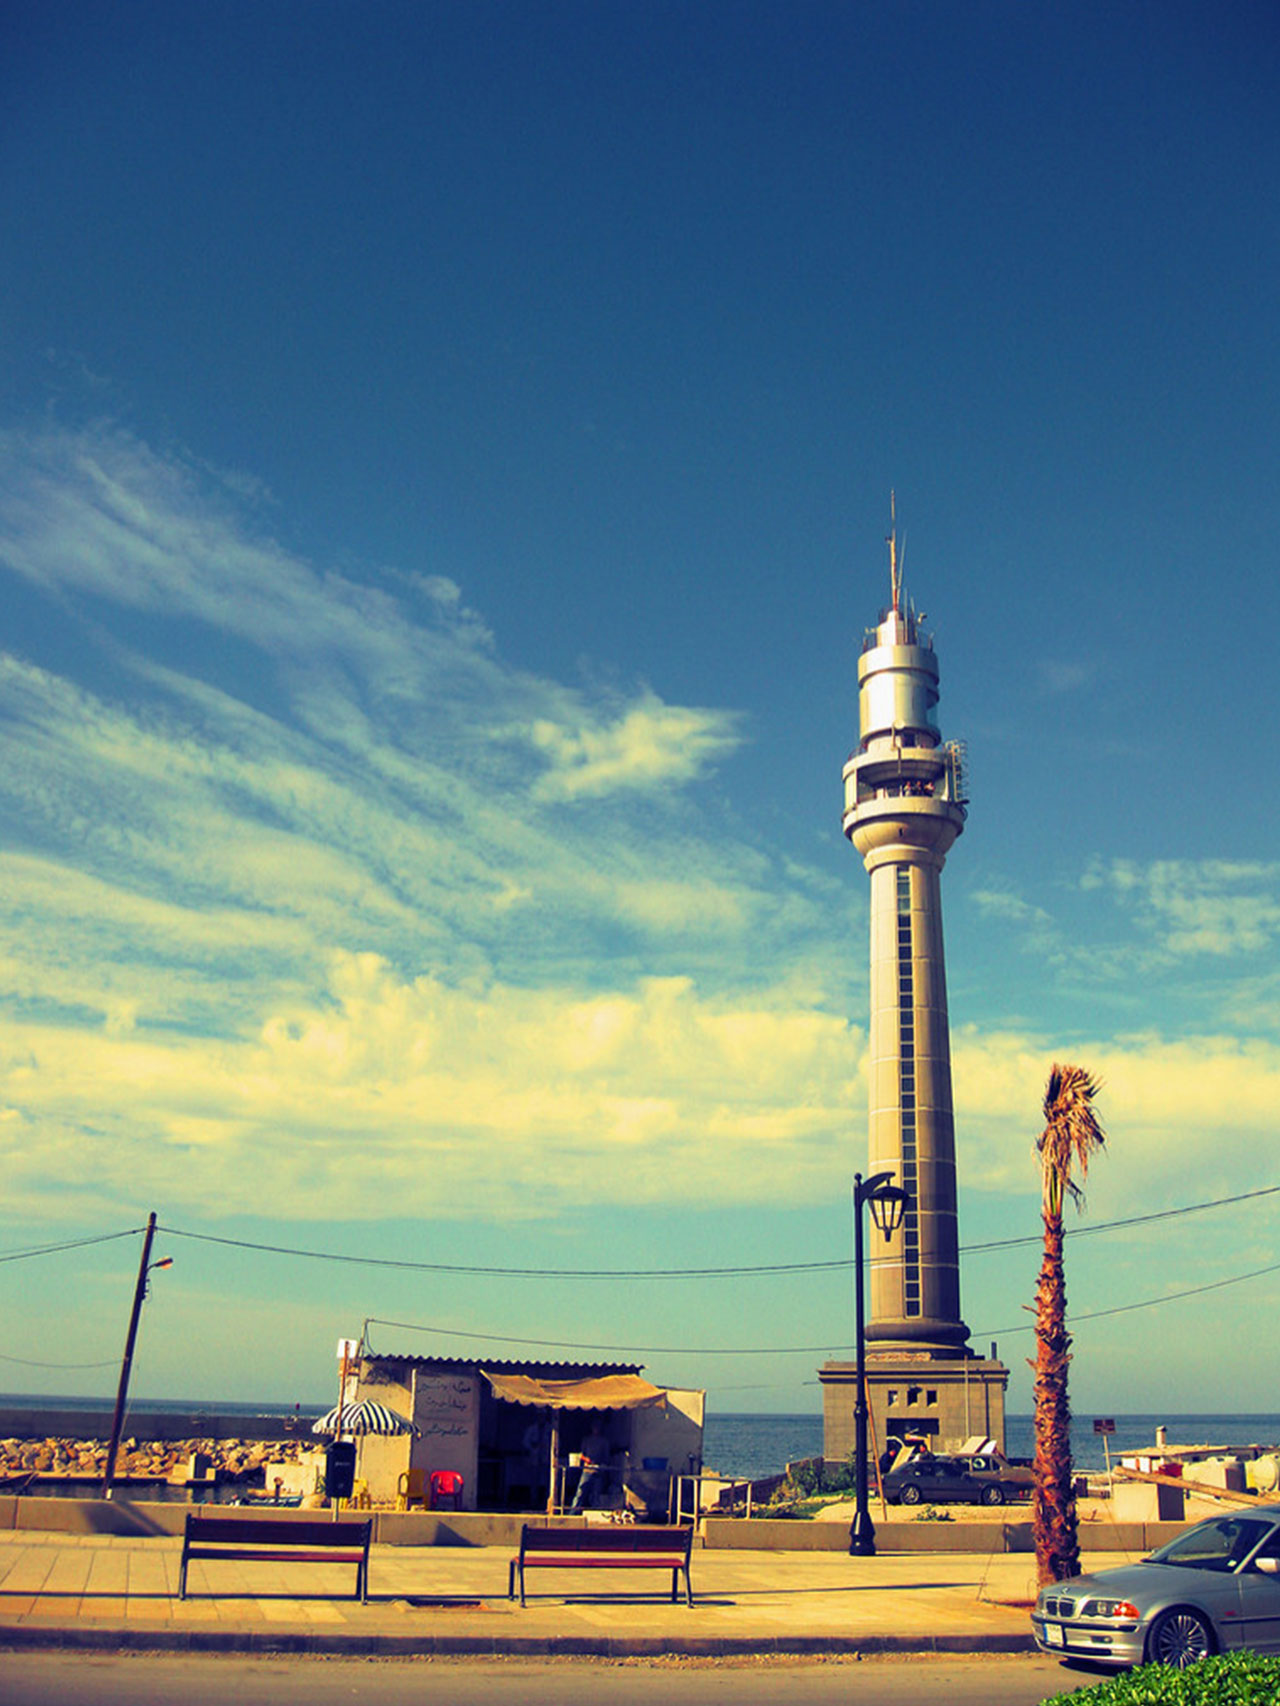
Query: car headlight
point(1115, 1610)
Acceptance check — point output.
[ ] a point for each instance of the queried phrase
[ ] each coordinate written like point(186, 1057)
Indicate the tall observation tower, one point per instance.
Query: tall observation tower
point(905, 800)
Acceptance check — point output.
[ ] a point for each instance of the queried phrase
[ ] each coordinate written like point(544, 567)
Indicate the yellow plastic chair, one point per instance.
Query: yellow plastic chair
point(411, 1489)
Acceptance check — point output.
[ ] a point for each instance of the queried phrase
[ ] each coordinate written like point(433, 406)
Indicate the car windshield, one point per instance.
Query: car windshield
point(1220, 1545)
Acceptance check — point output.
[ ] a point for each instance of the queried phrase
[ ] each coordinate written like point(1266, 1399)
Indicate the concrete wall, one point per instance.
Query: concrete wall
point(499, 1529)
point(774, 1534)
point(672, 1431)
point(46, 1423)
point(1148, 1501)
point(142, 1519)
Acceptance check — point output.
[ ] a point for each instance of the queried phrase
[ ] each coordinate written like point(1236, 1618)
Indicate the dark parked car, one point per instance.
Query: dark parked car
point(1015, 1480)
point(931, 1479)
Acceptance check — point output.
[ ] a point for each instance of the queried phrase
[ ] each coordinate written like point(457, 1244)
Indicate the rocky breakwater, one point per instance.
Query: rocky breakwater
point(173, 1461)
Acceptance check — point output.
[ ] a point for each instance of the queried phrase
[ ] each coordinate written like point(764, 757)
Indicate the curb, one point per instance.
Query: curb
point(72, 1637)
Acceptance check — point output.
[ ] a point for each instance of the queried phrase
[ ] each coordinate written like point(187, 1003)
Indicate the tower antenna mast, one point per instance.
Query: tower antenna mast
point(895, 573)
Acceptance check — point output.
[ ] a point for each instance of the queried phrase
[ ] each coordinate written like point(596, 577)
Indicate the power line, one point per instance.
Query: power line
point(1146, 1303)
point(721, 1350)
point(30, 1362)
point(626, 1350)
point(843, 1263)
point(641, 1350)
point(70, 1244)
point(509, 1273)
point(1132, 1220)
point(806, 1350)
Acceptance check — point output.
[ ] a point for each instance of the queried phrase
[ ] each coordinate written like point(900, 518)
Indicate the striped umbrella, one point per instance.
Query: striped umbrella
point(364, 1417)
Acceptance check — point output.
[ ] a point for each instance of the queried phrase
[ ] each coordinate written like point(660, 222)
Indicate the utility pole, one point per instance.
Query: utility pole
point(122, 1395)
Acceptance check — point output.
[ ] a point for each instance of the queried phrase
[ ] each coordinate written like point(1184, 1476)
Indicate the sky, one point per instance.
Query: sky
point(445, 461)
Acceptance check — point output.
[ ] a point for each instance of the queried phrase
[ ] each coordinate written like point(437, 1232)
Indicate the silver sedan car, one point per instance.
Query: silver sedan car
point(1214, 1589)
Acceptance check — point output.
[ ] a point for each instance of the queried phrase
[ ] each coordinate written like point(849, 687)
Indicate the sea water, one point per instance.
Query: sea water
point(756, 1446)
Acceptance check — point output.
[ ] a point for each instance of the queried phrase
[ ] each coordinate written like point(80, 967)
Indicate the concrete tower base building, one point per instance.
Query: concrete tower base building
point(905, 803)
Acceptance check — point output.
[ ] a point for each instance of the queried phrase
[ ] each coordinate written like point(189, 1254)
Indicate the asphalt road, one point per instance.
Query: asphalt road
point(163, 1679)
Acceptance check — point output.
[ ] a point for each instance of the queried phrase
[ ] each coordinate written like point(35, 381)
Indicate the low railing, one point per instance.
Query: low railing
point(687, 1500)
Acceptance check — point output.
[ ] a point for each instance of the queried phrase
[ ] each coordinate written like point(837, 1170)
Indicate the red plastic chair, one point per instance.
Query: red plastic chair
point(446, 1485)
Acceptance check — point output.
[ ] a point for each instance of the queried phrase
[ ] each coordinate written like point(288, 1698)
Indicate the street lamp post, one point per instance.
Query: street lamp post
point(887, 1203)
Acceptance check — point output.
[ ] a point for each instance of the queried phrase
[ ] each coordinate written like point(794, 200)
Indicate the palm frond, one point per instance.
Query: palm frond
point(1072, 1134)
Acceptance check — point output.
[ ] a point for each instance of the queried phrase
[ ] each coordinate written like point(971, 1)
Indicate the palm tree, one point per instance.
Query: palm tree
point(1071, 1136)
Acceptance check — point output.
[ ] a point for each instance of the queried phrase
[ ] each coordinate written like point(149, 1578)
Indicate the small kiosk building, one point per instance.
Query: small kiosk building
point(514, 1432)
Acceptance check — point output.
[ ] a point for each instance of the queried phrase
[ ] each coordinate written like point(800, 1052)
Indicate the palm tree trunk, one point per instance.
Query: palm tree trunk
point(1054, 1526)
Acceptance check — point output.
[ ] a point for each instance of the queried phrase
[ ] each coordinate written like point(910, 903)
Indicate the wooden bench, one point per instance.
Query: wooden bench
point(282, 1540)
point(603, 1548)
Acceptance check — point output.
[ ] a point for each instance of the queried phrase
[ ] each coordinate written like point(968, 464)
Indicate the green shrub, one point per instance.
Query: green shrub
point(803, 1480)
point(808, 1480)
point(1232, 1679)
point(843, 1478)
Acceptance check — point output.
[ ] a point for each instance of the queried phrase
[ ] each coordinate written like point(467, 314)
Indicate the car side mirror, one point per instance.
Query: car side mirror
point(1268, 1566)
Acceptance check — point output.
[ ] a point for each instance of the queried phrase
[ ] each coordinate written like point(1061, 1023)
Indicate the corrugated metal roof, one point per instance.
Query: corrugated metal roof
point(538, 1370)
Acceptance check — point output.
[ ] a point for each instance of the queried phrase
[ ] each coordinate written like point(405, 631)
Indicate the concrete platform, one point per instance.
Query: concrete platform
point(96, 1590)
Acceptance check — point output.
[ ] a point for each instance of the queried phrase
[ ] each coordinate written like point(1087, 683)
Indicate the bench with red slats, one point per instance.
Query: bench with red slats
point(623, 1547)
point(279, 1539)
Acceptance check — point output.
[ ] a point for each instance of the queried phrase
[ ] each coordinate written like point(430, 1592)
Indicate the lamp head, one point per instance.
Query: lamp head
point(888, 1205)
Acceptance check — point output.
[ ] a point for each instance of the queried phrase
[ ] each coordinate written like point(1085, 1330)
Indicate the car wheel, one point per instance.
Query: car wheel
point(992, 1496)
point(910, 1495)
point(1179, 1638)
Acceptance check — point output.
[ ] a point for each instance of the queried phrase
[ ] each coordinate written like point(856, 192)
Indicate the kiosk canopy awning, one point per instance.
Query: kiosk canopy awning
point(604, 1392)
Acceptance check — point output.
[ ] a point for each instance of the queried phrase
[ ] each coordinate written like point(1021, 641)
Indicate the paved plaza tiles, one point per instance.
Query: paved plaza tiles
point(105, 1590)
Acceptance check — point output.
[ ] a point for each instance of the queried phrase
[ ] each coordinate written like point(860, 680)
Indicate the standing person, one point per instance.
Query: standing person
point(595, 1454)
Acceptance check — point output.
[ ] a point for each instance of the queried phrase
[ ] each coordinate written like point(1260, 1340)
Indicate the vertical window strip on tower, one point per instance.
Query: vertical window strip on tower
point(907, 1093)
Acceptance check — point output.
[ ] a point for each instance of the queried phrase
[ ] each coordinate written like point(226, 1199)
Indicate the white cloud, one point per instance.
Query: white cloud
point(287, 916)
point(647, 745)
point(1035, 927)
point(1059, 676)
point(99, 513)
point(378, 1095)
point(1188, 1118)
point(1189, 907)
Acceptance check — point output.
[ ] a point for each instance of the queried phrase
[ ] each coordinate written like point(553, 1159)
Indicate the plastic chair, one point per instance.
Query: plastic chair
point(411, 1489)
point(446, 1485)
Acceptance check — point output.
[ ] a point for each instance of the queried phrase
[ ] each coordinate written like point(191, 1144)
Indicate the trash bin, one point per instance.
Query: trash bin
point(340, 1469)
